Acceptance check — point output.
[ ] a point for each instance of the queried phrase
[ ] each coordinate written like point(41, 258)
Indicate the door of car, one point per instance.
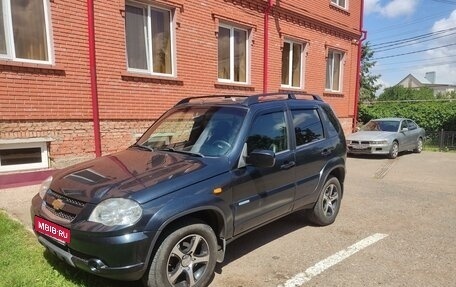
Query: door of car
point(405, 136)
point(413, 133)
point(262, 194)
point(313, 147)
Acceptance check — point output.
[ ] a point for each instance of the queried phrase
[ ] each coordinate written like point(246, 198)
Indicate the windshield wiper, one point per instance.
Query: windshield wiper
point(143, 147)
point(170, 149)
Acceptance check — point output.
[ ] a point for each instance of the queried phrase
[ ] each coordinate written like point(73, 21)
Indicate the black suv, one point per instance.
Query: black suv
point(206, 172)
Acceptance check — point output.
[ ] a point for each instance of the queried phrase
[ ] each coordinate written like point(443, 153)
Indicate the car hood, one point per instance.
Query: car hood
point(370, 136)
point(126, 173)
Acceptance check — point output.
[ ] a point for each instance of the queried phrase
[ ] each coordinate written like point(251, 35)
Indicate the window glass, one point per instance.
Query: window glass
point(29, 29)
point(2, 32)
point(291, 64)
point(286, 63)
point(20, 156)
point(333, 123)
point(340, 3)
point(268, 132)
point(308, 126)
point(135, 26)
point(224, 53)
point(296, 69)
point(232, 54)
point(157, 58)
point(240, 55)
point(412, 125)
point(333, 71)
point(161, 41)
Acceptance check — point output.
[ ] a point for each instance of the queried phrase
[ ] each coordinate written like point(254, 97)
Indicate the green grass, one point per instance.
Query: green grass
point(24, 262)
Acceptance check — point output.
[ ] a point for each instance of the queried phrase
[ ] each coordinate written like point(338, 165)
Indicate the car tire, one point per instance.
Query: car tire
point(328, 204)
point(419, 146)
point(186, 257)
point(394, 150)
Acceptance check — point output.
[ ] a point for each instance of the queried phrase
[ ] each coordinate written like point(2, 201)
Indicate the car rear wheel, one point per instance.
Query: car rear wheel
point(186, 257)
point(394, 151)
point(327, 207)
point(419, 146)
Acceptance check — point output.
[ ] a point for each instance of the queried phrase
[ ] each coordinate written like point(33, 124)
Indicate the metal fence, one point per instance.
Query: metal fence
point(444, 140)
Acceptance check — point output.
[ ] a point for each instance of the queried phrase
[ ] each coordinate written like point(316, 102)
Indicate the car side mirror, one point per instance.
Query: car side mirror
point(261, 158)
point(404, 129)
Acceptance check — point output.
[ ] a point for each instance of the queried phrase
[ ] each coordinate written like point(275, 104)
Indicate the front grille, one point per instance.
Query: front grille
point(67, 209)
point(360, 142)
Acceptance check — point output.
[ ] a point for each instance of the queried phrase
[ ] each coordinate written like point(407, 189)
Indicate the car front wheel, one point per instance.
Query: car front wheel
point(394, 151)
point(327, 206)
point(186, 257)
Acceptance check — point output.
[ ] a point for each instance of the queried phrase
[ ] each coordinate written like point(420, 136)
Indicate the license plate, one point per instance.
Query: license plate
point(55, 231)
point(360, 146)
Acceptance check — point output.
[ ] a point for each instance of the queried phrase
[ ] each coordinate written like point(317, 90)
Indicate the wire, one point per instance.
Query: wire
point(406, 43)
point(426, 35)
point(413, 52)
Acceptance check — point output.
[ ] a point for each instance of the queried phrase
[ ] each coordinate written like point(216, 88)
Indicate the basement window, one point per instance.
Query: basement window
point(23, 154)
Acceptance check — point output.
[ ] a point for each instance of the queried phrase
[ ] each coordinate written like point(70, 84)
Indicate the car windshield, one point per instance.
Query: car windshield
point(383, 125)
point(202, 131)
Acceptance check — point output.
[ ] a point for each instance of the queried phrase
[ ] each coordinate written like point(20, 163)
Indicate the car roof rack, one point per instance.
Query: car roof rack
point(253, 99)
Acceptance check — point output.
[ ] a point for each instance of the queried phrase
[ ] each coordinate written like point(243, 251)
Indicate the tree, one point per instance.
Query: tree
point(400, 93)
point(368, 86)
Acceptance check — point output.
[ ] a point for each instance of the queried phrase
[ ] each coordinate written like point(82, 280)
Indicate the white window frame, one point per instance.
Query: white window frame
point(247, 55)
point(290, 66)
point(341, 67)
point(337, 3)
point(10, 45)
point(148, 31)
point(44, 156)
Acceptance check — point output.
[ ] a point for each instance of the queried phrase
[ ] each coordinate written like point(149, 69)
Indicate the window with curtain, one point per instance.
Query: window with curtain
point(340, 3)
point(149, 39)
point(292, 64)
point(24, 30)
point(232, 54)
point(334, 71)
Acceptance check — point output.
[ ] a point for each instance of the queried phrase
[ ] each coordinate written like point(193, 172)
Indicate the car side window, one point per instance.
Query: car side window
point(333, 124)
point(412, 125)
point(268, 132)
point(404, 125)
point(307, 125)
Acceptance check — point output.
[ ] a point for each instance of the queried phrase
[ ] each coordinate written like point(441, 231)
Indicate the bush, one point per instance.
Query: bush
point(430, 115)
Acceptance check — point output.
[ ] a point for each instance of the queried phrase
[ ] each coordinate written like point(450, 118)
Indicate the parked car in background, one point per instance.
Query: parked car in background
point(208, 171)
point(387, 136)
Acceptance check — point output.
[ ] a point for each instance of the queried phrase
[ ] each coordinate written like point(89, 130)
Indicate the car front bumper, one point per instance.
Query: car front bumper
point(368, 148)
point(114, 256)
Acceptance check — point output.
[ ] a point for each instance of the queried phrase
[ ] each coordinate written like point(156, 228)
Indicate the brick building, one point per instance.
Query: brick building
point(80, 78)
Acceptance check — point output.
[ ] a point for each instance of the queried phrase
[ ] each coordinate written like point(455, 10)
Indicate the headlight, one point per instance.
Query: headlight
point(116, 211)
point(45, 186)
point(379, 142)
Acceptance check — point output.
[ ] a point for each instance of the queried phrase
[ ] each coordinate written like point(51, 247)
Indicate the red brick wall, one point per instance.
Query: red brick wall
point(39, 100)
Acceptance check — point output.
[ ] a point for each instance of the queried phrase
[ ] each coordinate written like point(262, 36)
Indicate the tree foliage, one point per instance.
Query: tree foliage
point(400, 93)
point(368, 86)
point(431, 115)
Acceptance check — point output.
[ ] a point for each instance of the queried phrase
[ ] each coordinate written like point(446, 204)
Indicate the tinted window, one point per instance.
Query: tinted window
point(308, 127)
point(411, 125)
point(268, 132)
point(333, 123)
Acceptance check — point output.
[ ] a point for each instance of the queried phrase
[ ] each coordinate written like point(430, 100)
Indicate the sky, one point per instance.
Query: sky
point(412, 37)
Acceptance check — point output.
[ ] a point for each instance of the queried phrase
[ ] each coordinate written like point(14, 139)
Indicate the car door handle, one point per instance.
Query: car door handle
point(327, 151)
point(288, 165)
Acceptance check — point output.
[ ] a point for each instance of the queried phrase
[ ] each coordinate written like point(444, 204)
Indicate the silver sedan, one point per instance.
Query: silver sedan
point(387, 136)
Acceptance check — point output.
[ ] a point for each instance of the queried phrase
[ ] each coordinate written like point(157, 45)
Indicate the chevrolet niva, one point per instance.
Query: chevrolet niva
point(206, 172)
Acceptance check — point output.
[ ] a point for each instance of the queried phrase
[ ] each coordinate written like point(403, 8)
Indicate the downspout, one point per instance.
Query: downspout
point(358, 68)
point(266, 46)
point(93, 78)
